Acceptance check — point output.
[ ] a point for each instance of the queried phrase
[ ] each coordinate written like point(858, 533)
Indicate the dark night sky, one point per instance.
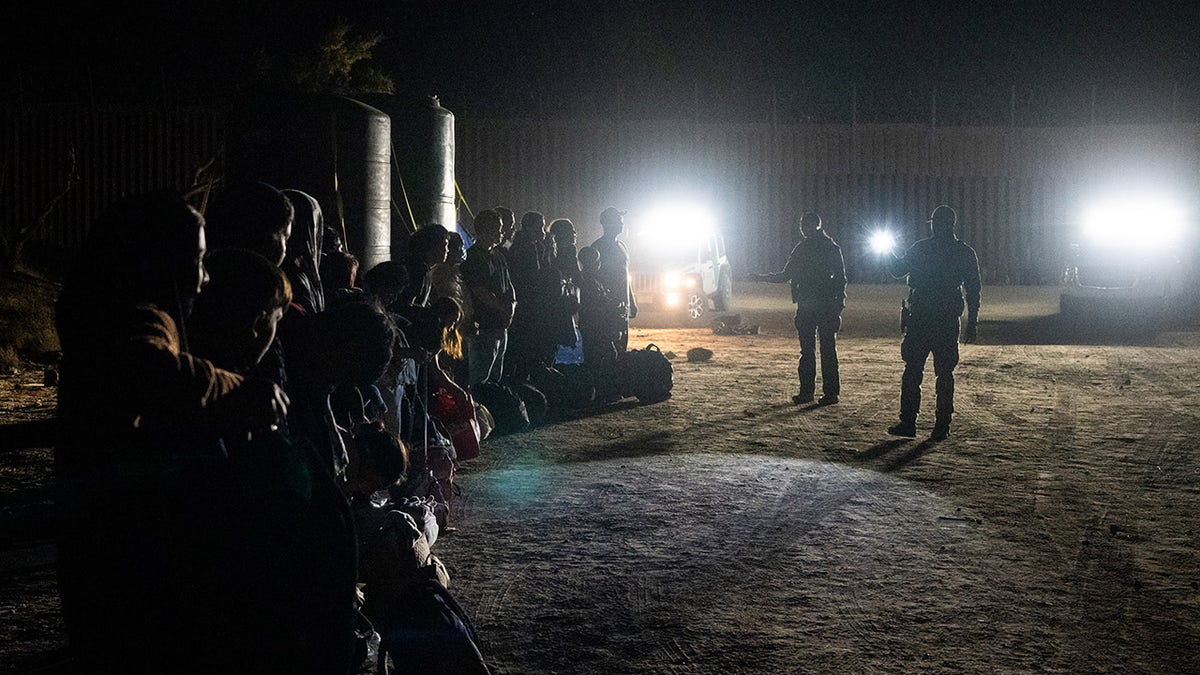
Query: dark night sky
point(731, 56)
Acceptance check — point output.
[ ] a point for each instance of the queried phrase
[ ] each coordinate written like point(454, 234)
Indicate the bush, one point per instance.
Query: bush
point(26, 320)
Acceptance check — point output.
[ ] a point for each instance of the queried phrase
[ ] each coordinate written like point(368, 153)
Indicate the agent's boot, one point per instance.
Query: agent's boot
point(903, 429)
point(940, 433)
point(806, 395)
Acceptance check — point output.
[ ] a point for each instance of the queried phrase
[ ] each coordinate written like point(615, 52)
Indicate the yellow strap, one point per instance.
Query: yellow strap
point(412, 221)
point(463, 199)
point(207, 191)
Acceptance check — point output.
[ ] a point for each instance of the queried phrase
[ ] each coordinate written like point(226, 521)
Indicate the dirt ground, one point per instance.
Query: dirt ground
point(727, 530)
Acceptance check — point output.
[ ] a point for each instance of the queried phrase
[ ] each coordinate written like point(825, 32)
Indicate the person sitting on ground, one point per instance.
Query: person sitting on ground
point(289, 550)
point(251, 215)
point(141, 418)
point(235, 318)
point(303, 260)
point(349, 344)
point(427, 248)
point(257, 217)
point(339, 276)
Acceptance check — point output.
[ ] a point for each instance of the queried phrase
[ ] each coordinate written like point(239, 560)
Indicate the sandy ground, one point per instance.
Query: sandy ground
point(727, 530)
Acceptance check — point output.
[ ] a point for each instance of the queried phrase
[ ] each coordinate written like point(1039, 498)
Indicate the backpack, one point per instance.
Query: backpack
point(427, 633)
point(578, 387)
point(646, 374)
point(507, 409)
point(553, 384)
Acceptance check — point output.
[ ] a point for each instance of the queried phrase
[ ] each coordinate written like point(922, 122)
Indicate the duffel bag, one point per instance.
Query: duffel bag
point(646, 374)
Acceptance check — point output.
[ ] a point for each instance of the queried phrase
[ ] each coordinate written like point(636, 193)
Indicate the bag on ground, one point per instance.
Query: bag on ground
point(455, 409)
point(646, 374)
point(507, 409)
point(428, 632)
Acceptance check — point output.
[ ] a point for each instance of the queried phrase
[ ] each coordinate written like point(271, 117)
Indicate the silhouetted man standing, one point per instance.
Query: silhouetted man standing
point(485, 277)
point(817, 274)
point(614, 269)
point(941, 270)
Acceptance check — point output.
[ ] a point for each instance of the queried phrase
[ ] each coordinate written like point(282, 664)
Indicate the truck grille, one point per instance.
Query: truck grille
point(645, 282)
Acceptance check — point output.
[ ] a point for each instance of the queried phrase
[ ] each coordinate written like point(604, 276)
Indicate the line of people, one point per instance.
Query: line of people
point(256, 452)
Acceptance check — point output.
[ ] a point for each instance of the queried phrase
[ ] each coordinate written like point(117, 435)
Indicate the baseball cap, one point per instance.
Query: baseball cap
point(610, 214)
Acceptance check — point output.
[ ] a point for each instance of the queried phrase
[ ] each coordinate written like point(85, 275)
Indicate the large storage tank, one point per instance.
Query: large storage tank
point(423, 141)
point(334, 148)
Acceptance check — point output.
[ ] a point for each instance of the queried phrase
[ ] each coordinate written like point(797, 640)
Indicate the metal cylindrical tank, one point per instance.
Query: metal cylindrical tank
point(423, 140)
point(334, 148)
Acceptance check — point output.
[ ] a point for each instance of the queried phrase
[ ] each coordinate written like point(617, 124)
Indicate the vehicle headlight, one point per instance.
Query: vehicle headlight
point(1135, 223)
point(689, 282)
point(671, 280)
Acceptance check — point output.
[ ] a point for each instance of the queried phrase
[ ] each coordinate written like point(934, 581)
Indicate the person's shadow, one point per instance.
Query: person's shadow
point(893, 463)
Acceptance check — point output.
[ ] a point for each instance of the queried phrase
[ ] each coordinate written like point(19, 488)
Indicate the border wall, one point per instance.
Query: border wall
point(1018, 190)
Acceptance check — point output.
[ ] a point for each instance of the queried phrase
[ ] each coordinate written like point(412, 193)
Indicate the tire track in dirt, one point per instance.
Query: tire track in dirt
point(1090, 567)
point(798, 510)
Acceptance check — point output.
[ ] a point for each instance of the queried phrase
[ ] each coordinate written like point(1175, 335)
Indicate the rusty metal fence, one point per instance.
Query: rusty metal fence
point(113, 151)
point(1017, 189)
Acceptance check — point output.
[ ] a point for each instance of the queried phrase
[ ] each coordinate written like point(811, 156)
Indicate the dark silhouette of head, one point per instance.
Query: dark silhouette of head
point(455, 248)
point(331, 240)
point(528, 237)
point(339, 270)
point(429, 244)
point(381, 459)
point(508, 223)
point(810, 224)
point(387, 281)
point(942, 221)
point(563, 231)
point(304, 247)
point(533, 221)
point(354, 343)
point(589, 259)
point(488, 229)
point(235, 316)
point(143, 249)
point(254, 216)
point(612, 220)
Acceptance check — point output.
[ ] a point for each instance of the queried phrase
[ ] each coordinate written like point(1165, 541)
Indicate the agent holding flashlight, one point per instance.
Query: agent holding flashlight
point(943, 279)
point(817, 274)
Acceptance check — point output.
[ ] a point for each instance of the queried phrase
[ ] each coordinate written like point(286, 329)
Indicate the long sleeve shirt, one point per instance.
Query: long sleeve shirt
point(943, 276)
point(817, 273)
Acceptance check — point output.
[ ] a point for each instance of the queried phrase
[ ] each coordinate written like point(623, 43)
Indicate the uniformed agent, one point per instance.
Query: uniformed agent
point(943, 278)
point(817, 273)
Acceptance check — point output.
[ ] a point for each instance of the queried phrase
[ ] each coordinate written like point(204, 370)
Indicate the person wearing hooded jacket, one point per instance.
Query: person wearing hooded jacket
point(302, 263)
